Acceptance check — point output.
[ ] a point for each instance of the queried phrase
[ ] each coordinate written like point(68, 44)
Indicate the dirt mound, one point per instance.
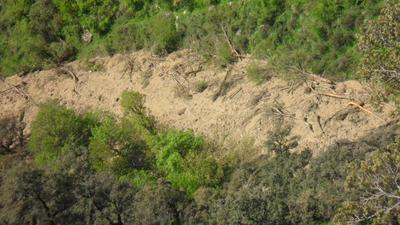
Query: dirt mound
point(184, 92)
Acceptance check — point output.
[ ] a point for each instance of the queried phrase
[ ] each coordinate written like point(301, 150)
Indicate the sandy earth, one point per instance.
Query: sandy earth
point(231, 109)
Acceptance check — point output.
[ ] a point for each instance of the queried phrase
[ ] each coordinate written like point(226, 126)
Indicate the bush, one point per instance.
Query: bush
point(200, 86)
point(179, 156)
point(261, 192)
point(257, 73)
point(117, 147)
point(278, 140)
point(132, 102)
point(379, 46)
point(57, 130)
point(373, 188)
point(161, 34)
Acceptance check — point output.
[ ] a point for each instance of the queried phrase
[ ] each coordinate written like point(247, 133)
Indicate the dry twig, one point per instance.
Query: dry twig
point(234, 51)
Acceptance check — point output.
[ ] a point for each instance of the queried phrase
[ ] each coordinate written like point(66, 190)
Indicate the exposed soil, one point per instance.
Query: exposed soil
point(230, 109)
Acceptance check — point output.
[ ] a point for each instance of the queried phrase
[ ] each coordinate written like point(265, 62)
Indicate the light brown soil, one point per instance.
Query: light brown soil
point(243, 109)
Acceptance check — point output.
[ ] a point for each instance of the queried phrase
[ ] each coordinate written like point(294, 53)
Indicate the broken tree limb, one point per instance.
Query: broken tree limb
point(234, 51)
point(235, 93)
point(365, 110)
point(319, 124)
point(334, 95)
point(221, 86)
point(69, 72)
point(25, 95)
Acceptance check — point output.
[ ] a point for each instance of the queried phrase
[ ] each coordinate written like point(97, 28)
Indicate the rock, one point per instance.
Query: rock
point(181, 111)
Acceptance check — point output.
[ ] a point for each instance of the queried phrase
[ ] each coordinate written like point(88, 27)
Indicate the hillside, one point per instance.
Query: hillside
point(210, 112)
point(230, 109)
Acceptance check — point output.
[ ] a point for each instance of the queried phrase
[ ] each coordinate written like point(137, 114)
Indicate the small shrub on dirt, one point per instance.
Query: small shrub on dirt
point(278, 140)
point(200, 86)
point(224, 55)
point(92, 65)
point(257, 73)
point(132, 102)
point(182, 92)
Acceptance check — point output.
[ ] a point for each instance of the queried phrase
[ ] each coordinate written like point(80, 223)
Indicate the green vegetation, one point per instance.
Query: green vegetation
point(179, 155)
point(58, 130)
point(97, 168)
point(257, 73)
point(380, 47)
point(373, 187)
point(100, 169)
point(200, 86)
point(319, 37)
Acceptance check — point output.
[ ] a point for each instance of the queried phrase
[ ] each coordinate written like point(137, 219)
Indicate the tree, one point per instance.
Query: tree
point(374, 189)
point(71, 195)
point(380, 46)
point(159, 205)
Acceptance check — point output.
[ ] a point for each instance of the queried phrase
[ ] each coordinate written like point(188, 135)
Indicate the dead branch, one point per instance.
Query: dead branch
point(319, 124)
point(19, 91)
point(233, 50)
point(6, 90)
point(309, 74)
point(66, 70)
point(309, 125)
point(196, 71)
point(180, 83)
point(221, 86)
point(334, 95)
point(130, 65)
point(235, 93)
point(365, 110)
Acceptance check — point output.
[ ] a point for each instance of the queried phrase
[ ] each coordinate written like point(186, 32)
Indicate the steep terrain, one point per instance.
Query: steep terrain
point(231, 109)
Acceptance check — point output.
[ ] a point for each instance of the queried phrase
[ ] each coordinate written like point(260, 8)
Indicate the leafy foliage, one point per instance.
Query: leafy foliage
point(380, 47)
point(35, 196)
point(179, 155)
point(128, 171)
point(257, 73)
point(117, 147)
point(373, 185)
point(315, 36)
point(132, 102)
point(56, 130)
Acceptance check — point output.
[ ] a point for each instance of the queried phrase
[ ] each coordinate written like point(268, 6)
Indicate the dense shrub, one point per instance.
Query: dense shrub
point(380, 46)
point(57, 130)
point(313, 36)
point(180, 156)
point(261, 192)
point(117, 147)
point(41, 196)
point(373, 189)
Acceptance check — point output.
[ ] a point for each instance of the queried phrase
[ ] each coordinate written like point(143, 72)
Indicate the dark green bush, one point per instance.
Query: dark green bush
point(117, 146)
point(313, 36)
point(380, 47)
point(56, 131)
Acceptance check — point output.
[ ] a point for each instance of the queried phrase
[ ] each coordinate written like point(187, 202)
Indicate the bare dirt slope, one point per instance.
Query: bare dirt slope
point(229, 110)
